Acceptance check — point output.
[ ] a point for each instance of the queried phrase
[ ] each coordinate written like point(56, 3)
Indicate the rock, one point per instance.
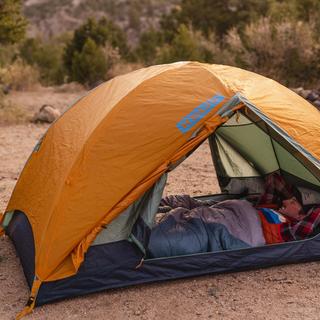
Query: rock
point(212, 292)
point(47, 113)
point(6, 88)
point(313, 96)
point(317, 103)
point(297, 90)
point(305, 93)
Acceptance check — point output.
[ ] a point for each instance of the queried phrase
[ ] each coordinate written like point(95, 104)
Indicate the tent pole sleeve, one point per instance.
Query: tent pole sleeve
point(32, 299)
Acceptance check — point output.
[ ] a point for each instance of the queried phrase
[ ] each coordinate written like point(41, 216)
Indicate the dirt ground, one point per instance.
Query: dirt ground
point(285, 292)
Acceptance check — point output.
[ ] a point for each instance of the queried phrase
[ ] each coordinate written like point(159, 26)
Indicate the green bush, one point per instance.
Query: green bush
point(217, 16)
point(47, 57)
point(90, 65)
point(12, 23)
point(100, 32)
point(186, 45)
point(147, 48)
point(8, 53)
point(92, 36)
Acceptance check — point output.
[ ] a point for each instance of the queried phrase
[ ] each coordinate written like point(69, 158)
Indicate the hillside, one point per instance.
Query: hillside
point(53, 17)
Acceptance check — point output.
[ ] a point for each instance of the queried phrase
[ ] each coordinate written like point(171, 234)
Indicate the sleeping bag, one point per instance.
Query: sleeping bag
point(231, 224)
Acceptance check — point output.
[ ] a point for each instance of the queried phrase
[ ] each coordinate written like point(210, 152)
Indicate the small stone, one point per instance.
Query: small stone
point(305, 93)
point(297, 90)
point(312, 96)
point(47, 113)
point(212, 292)
point(317, 103)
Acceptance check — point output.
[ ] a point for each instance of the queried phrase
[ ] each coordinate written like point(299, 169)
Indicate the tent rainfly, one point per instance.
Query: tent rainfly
point(101, 168)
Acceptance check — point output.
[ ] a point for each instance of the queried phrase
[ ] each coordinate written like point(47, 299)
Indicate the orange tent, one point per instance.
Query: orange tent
point(116, 142)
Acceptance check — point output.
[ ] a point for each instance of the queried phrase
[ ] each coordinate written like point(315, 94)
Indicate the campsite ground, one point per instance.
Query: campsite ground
point(285, 292)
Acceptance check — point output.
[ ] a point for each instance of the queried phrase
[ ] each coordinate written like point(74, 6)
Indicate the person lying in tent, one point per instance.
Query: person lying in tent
point(191, 226)
point(300, 222)
point(300, 225)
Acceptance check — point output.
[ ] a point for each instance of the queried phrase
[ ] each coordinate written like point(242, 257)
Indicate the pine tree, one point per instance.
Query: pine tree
point(90, 65)
point(101, 33)
point(12, 23)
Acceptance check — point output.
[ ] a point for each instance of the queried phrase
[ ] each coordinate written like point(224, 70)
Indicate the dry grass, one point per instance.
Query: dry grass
point(285, 51)
point(71, 87)
point(12, 113)
point(122, 68)
point(19, 76)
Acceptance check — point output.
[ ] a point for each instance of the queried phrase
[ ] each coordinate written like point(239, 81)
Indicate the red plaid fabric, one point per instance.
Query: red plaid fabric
point(276, 189)
point(301, 229)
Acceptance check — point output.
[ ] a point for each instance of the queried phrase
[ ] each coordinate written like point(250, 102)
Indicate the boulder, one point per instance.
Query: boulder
point(297, 90)
point(317, 103)
point(47, 113)
point(313, 96)
point(305, 93)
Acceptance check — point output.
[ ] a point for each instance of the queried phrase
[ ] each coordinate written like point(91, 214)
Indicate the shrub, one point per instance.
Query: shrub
point(47, 57)
point(100, 33)
point(286, 51)
point(147, 48)
point(19, 76)
point(11, 113)
point(217, 16)
point(122, 67)
point(7, 54)
point(186, 45)
point(12, 23)
point(90, 65)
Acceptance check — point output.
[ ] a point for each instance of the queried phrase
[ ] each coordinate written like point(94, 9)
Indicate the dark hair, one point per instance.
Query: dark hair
point(297, 194)
point(294, 193)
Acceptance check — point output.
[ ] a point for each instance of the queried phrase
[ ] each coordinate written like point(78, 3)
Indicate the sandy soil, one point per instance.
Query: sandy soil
point(286, 292)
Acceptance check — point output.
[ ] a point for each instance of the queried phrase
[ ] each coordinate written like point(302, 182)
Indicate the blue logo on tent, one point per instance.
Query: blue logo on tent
point(199, 112)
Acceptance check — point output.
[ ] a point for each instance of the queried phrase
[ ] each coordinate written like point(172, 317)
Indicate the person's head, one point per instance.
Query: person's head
point(292, 208)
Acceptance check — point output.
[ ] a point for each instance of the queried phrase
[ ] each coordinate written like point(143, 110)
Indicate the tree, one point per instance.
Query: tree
point(302, 10)
point(217, 16)
point(90, 65)
point(307, 9)
point(149, 42)
point(12, 23)
point(170, 24)
point(101, 33)
point(186, 45)
point(47, 57)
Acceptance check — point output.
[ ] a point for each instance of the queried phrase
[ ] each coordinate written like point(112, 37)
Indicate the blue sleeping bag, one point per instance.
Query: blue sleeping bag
point(181, 234)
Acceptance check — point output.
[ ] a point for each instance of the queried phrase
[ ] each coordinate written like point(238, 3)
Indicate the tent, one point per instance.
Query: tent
point(83, 207)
